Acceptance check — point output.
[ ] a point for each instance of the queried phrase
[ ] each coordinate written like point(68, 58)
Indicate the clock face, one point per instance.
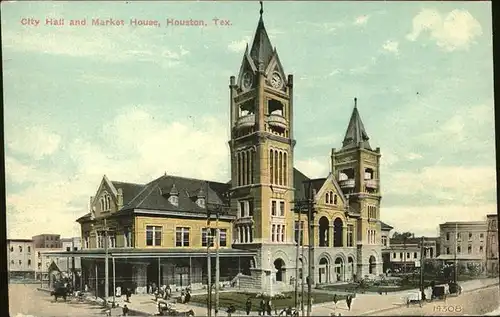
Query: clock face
point(276, 80)
point(247, 80)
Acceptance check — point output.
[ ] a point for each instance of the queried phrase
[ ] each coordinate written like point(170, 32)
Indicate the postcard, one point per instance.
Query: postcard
point(250, 158)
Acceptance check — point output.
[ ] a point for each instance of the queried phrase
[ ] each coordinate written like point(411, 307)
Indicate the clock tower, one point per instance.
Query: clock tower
point(261, 145)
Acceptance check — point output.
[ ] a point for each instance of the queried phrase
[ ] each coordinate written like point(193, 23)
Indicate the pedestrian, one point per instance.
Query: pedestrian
point(230, 310)
point(349, 301)
point(248, 306)
point(262, 310)
point(335, 302)
point(127, 295)
point(125, 310)
point(269, 307)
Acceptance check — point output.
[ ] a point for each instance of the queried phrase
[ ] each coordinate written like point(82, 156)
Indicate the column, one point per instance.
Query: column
point(331, 235)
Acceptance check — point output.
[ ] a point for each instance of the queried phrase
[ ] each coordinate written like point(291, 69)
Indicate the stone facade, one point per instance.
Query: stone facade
point(20, 258)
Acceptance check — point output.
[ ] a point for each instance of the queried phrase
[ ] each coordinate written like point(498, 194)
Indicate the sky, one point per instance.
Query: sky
point(135, 102)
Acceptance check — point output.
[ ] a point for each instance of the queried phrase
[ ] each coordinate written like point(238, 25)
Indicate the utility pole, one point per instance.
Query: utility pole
point(455, 275)
point(106, 267)
point(299, 240)
point(422, 248)
point(217, 269)
point(311, 249)
point(209, 262)
point(73, 262)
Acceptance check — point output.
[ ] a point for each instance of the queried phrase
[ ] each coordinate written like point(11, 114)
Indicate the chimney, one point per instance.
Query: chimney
point(90, 203)
point(120, 198)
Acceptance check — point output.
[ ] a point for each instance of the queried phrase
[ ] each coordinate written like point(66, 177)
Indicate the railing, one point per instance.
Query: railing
point(348, 183)
point(277, 120)
point(371, 183)
point(246, 121)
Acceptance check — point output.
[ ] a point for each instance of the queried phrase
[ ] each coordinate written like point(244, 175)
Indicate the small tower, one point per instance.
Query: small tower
point(356, 167)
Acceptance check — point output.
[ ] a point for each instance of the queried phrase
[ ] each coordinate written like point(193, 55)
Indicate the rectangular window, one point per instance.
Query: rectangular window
point(414, 255)
point(481, 236)
point(273, 208)
point(459, 236)
point(20, 262)
point(459, 249)
point(153, 235)
point(250, 208)
point(350, 235)
point(481, 248)
point(447, 250)
point(223, 237)
point(68, 249)
point(407, 255)
point(447, 236)
point(401, 255)
point(470, 236)
point(299, 230)
point(241, 209)
point(86, 240)
point(182, 237)
point(127, 238)
point(100, 240)
point(469, 249)
point(282, 208)
point(20, 249)
point(394, 255)
point(208, 236)
point(273, 233)
point(29, 262)
point(29, 249)
point(283, 233)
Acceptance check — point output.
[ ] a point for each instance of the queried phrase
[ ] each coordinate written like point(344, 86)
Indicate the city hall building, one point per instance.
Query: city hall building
point(158, 232)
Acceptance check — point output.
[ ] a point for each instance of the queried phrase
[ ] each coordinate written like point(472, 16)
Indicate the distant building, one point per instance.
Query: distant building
point(492, 245)
point(72, 244)
point(405, 254)
point(464, 243)
point(385, 231)
point(20, 257)
point(47, 241)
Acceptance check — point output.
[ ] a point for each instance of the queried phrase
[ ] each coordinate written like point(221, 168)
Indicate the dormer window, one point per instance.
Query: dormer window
point(201, 202)
point(174, 200)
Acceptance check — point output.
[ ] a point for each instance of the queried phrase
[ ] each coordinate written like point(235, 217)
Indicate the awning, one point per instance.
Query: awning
point(151, 253)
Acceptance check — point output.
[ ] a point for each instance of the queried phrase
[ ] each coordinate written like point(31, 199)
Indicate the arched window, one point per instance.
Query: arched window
point(271, 166)
point(276, 166)
point(285, 170)
point(327, 198)
point(331, 197)
point(252, 165)
point(245, 170)
point(101, 201)
point(335, 199)
point(281, 168)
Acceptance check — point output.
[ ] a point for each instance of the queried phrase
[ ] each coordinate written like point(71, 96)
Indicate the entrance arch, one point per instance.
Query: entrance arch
point(373, 265)
point(279, 265)
point(338, 227)
point(323, 270)
point(350, 268)
point(324, 230)
point(339, 270)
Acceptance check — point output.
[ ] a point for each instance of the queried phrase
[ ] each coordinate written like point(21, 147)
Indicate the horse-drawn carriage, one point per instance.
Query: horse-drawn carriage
point(168, 309)
point(60, 291)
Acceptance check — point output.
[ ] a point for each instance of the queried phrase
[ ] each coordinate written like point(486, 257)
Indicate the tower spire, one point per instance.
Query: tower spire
point(356, 134)
point(261, 8)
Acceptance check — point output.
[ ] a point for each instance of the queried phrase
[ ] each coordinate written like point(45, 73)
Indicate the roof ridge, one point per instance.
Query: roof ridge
point(152, 188)
point(195, 179)
point(138, 194)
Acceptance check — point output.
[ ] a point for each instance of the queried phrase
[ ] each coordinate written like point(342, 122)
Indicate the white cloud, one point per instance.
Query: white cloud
point(239, 46)
point(455, 30)
point(313, 167)
point(425, 220)
point(413, 156)
point(327, 27)
point(450, 184)
point(139, 148)
point(111, 45)
point(361, 20)
point(391, 46)
point(35, 141)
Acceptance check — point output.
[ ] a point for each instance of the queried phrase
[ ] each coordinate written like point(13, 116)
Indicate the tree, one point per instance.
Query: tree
point(403, 235)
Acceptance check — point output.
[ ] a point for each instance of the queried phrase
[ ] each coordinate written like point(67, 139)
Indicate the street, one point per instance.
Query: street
point(475, 303)
point(25, 299)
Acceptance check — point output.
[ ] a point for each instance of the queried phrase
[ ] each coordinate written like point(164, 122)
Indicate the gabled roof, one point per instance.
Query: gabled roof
point(385, 226)
point(356, 134)
point(154, 195)
point(298, 183)
point(262, 50)
point(130, 190)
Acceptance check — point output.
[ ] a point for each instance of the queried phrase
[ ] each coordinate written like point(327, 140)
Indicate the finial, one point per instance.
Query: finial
point(261, 8)
point(355, 102)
